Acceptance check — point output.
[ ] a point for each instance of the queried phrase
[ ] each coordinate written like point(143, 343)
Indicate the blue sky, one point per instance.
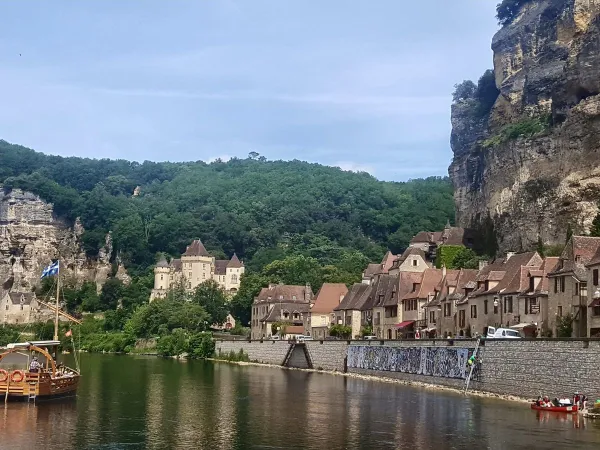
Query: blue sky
point(355, 84)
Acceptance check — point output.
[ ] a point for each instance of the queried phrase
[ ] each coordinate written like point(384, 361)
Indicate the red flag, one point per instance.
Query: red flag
point(68, 333)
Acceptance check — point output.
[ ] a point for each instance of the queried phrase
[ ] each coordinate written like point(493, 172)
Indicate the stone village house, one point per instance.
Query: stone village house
point(568, 284)
point(279, 304)
point(321, 312)
point(593, 300)
point(21, 308)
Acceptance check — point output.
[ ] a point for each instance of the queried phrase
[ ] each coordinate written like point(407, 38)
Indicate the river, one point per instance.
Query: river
point(130, 402)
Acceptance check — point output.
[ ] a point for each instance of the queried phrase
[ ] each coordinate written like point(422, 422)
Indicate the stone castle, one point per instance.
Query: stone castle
point(194, 267)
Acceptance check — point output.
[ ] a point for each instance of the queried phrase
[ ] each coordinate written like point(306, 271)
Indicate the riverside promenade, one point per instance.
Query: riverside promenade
point(522, 368)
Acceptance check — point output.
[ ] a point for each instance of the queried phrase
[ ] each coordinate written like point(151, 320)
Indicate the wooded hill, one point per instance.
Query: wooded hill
point(263, 210)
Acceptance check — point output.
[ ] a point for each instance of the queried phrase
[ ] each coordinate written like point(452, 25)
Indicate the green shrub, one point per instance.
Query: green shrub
point(233, 356)
point(564, 326)
point(525, 128)
point(201, 345)
point(508, 10)
point(173, 344)
point(340, 331)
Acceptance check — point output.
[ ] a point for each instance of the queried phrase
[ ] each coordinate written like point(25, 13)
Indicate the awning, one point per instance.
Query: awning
point(595, 302)
point(520, 326)
point(430, 329)
point(405, 324)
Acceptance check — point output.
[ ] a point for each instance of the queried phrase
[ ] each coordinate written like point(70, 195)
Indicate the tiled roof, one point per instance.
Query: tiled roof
point(176, 264)
point(579, 251)
point(431, 278)
point(283, 292)
point(408, 252)
point(512, 272)
point(162, 263)
point(15, 297)
point(221, 266)
point(384, 290)
point(372, 269)
point(353, 300)
point(387, 261)
point(421, 237)
point(405, 285)
point(196, 248)
point(274, 313)
point(234, 263)
point(328, 297)
point(542, 288)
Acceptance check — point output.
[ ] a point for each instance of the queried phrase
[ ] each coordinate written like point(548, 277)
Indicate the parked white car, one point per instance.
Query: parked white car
point(304, 338)
point(370, 338)
point(502, 333)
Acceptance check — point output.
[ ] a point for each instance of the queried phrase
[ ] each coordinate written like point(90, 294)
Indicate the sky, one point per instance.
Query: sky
point(362, 85)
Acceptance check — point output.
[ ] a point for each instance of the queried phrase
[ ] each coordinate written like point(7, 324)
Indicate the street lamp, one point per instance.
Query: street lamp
point(496, 305)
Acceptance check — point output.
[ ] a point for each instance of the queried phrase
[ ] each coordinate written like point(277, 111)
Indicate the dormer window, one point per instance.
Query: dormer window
point(293, 297)
point(415, 263)
point(414, 288)
point(577, 258)
point(296, 316)
point(281, 297)
point(286, 315)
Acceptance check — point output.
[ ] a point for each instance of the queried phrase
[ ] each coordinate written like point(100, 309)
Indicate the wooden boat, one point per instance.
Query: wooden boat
point(560, 409)
point(50, 381)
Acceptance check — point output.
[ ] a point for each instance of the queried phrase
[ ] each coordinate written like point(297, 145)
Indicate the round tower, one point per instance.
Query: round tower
point(162, 275)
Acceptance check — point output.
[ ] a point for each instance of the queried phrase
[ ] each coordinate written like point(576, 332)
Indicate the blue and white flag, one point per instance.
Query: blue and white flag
point(52, 269)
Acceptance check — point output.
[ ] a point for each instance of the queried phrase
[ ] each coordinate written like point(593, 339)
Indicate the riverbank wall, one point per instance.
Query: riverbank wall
point(522, 368)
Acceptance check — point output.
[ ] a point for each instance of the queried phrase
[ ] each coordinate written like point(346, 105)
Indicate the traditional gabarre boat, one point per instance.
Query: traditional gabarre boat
point(561, 409)
point(50, 381)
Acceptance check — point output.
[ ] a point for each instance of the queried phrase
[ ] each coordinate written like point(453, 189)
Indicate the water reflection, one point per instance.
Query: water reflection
point(138, 402)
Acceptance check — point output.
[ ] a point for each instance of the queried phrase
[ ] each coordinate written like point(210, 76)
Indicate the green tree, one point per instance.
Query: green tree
point(111, 294)
point(595, 231)
point(340, 331)
point(296, 270)
point(508, 10)
point(174, 344)
point(464, 91)
point(201, 345)
point(211, 297)
point(564, 326)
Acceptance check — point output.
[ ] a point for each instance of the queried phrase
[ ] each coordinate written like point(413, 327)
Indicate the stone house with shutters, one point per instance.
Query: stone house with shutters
point(413, 259)
point(493, 302)
point(21, 308)
point(568, 285)
point(414, 301)
point(385, 305)
point(321, 313)
point(373, 270)
point(280, 304)
point(593, 292)
point(442, 312)
point(356, 308)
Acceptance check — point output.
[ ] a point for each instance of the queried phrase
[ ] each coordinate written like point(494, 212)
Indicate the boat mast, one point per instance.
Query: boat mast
point(57, 296)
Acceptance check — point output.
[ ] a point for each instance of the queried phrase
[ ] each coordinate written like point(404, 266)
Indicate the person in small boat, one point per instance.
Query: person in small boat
point(539, 400)
point(34, 365)
point(576, 398)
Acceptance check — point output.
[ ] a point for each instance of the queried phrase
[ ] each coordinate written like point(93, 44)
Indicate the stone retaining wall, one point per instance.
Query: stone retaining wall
point(523, 368)
point(266, 352)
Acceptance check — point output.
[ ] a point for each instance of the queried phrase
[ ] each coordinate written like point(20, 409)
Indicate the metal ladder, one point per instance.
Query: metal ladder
point(475, 362)
point(32, 392)
point(289, 354)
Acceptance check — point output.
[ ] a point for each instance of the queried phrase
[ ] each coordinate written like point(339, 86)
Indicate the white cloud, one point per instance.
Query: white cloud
point(223, 158)
point(350, 166)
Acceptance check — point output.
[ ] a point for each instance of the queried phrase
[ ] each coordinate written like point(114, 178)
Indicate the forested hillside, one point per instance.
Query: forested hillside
point(263, 210)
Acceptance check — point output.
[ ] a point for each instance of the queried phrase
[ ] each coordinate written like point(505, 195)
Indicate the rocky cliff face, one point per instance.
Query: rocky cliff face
point(30, 237)
point(547, 66)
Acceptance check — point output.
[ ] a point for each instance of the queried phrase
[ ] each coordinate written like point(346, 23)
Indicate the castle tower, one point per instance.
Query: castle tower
point(233, 274)
point(162, 279)
point(197, 265)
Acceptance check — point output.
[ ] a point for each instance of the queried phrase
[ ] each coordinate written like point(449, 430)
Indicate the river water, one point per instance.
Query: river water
point(128, 402)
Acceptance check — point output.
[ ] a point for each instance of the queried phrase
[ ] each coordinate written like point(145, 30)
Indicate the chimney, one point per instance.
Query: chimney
point(509, 255)
point(307, 292)
point(341, 297)
point(271, 285)
point(482, 264)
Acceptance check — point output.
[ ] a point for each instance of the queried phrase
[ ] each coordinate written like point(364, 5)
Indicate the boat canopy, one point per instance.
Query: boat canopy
point(34, 343)
point(521, 326)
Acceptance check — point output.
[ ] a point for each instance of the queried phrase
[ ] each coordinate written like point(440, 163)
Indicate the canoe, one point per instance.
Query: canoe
point(561, 409)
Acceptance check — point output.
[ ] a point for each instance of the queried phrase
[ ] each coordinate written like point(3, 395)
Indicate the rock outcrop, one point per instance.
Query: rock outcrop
point(31, 236)
point(535, 185)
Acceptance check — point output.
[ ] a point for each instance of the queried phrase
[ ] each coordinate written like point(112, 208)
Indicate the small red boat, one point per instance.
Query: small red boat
point(561, 409)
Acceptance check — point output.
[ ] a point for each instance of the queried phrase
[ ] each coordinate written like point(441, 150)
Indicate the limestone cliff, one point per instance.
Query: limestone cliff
point(536, 184)
point(31, 236)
